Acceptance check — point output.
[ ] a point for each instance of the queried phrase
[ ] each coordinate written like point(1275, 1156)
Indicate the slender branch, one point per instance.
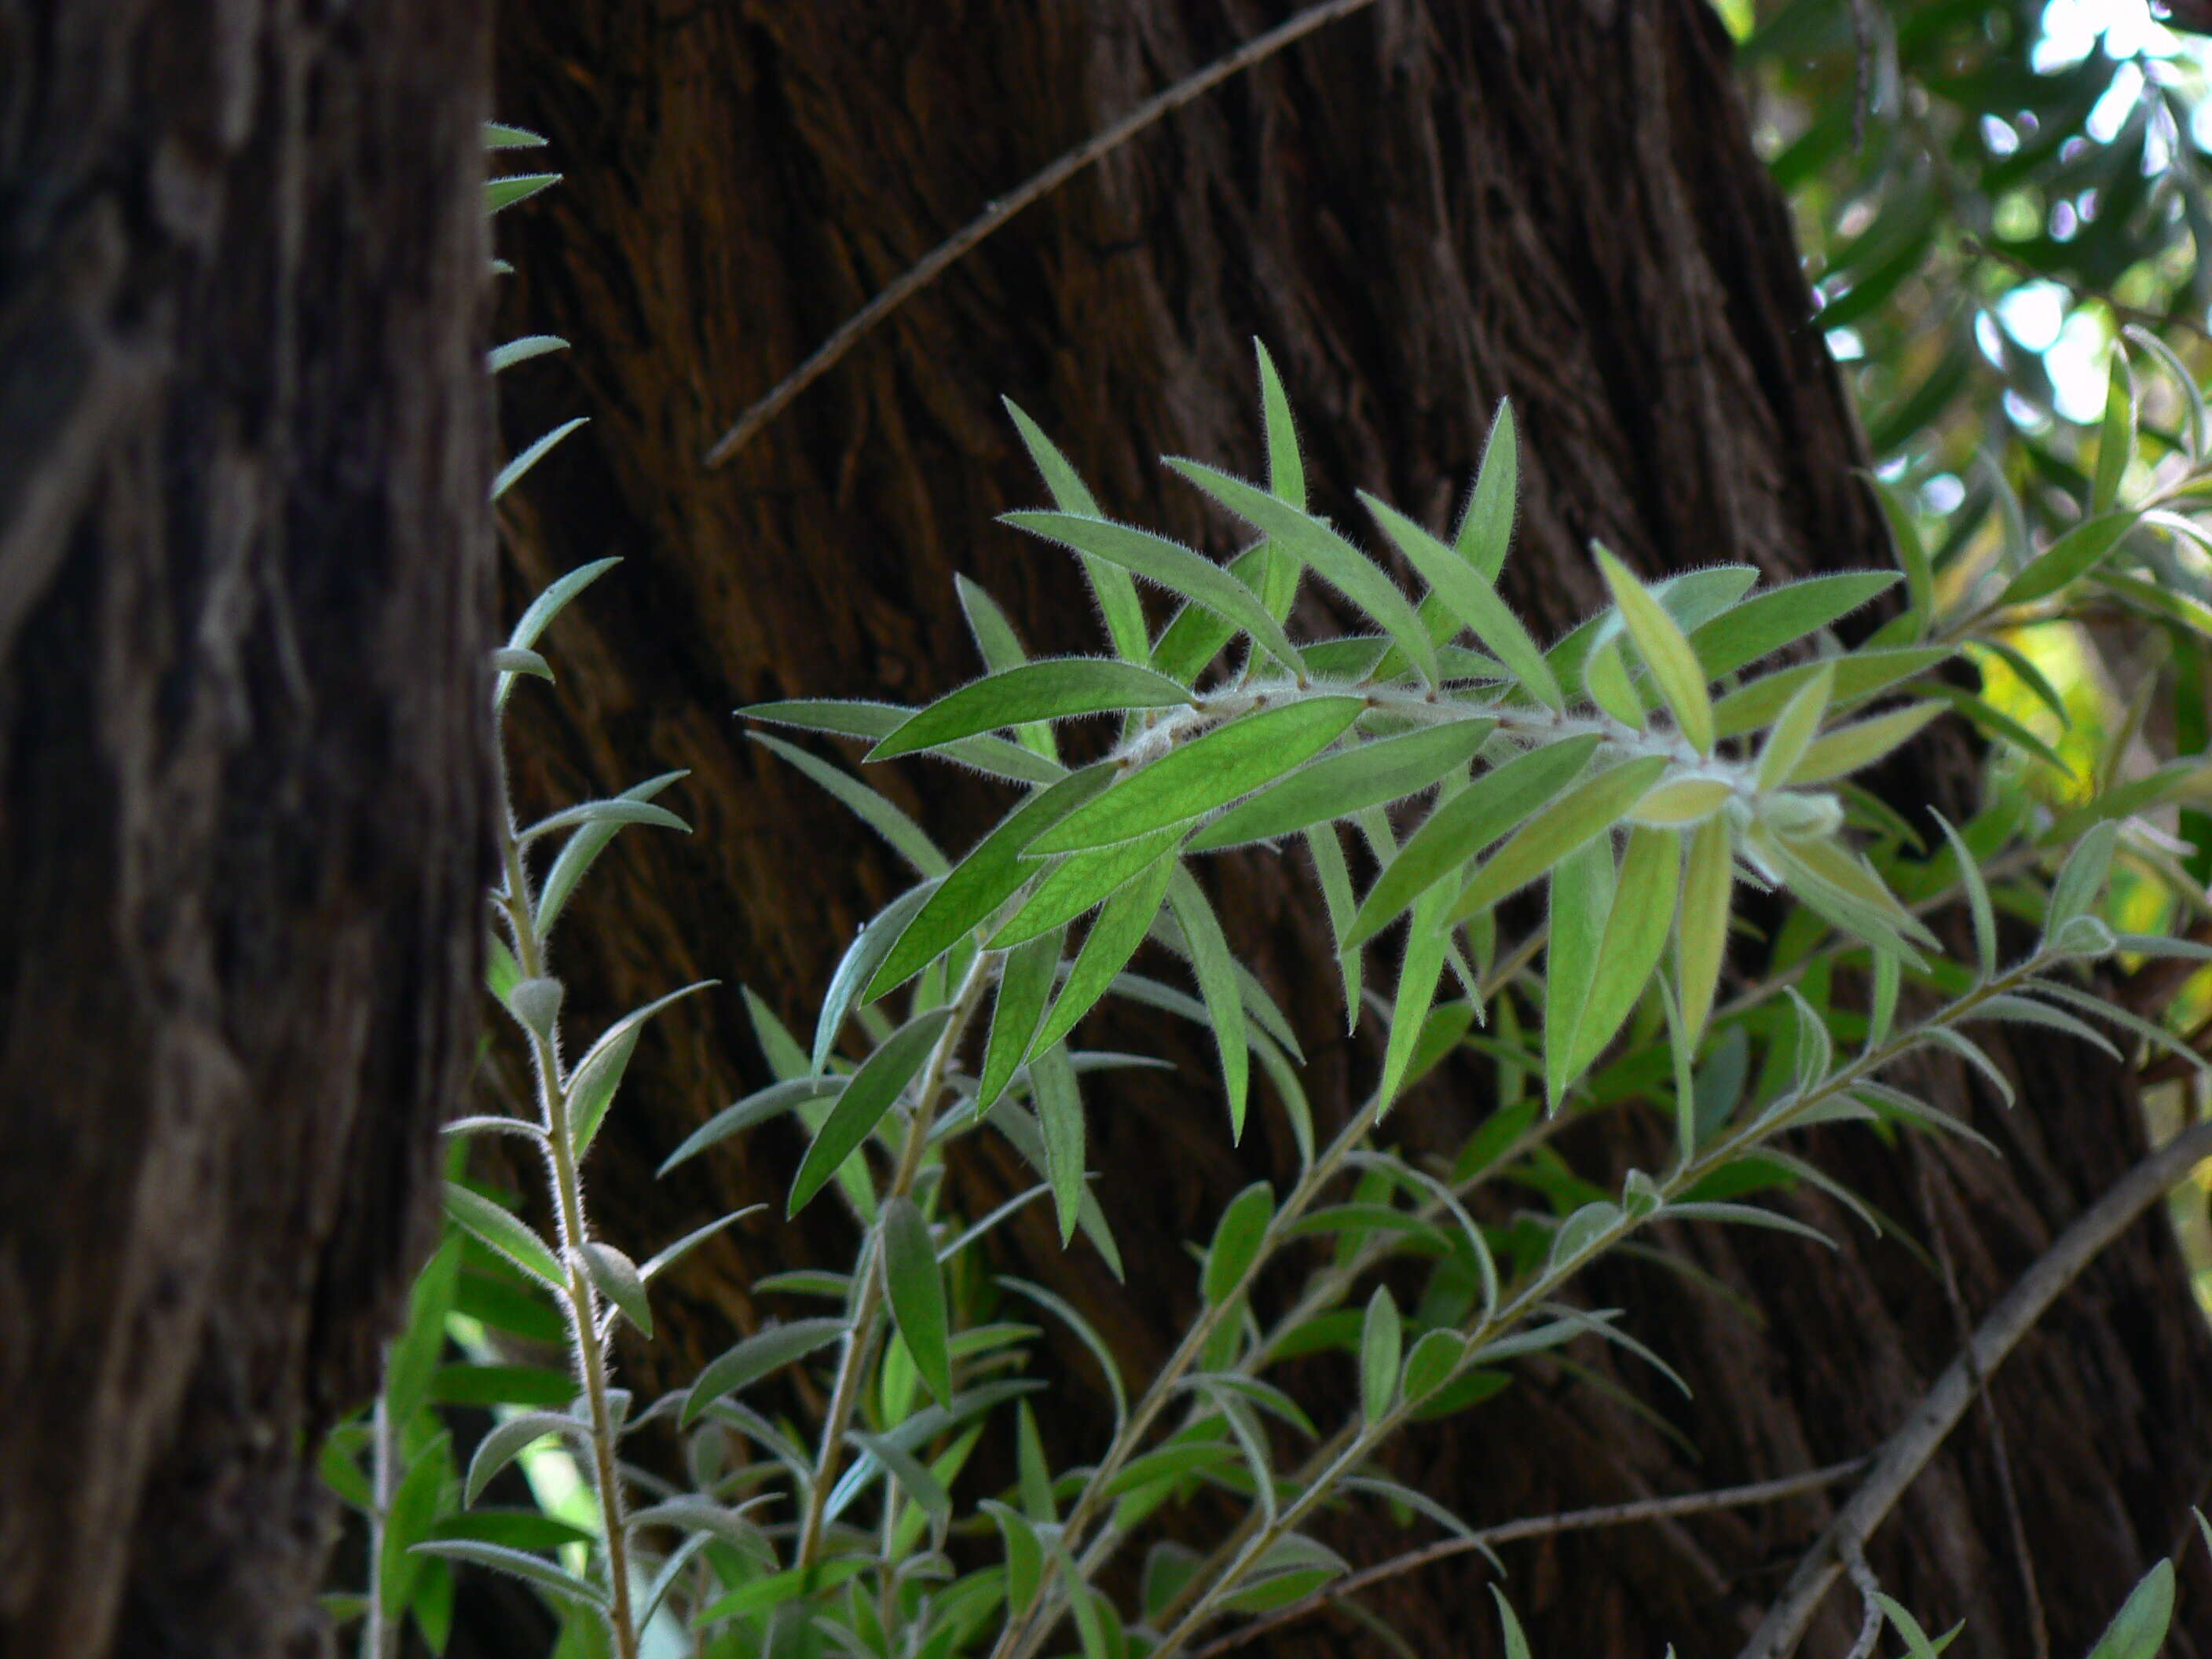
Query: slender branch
point(1909, 1450)
point(1542, 1526)
point(1870, 1587)
point(379, 1631)
point(860, 1337)
point(934, 264)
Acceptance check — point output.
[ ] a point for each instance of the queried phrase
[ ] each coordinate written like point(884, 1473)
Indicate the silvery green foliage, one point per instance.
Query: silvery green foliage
point(1634, 774)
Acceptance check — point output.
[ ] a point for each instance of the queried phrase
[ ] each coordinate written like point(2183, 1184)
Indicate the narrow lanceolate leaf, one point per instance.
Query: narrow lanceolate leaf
point(1605, 680)
point(1680, 802)
point(485, 1222)
point(758, 1107)
point(917, 1294)
point(1582, 902)
point(1635, 933)
point(591, 1087)
point(1859, 676)
point(1287, 481)
point(1463, 826)
point(1171, 565)
point(866, 1098)
point(1978, 895)
point(1216, 970)
point(506, 1441)
point(616, 1277)
point(2072, 555)
point(1122, 923)
point(1471, 597)
point(581, 850)
point(1331, 557)
point(1237, 1240)
point(2081, 877)
point(1911, 554)
point(854, 719)
point(2138, 1630)
point(1116, 594)
point(621, 811)
point(518, 1563)
point(763, 1352)
point(1761, 626)
point(1427, 941)
point(1382, 1340)
point(1060, 1117)
point(1337, 785)
point(1588, 810)
point(1850, 748)
point(1674, 665)
point(1486, 532)
point(1334, 877)
point(1795, 729)
point(1840, 884)
point(990, 875)
point(904, 835)
point(1025, 982)
point(1055, 689)
point(2116, 439)
point(1080, 880)
point(1701, 938)
point(508, 355)
point(516, 470)
point(859, 964)
point(1208, 772)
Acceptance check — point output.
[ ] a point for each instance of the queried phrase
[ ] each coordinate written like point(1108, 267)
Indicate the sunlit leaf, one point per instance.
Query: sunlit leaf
point(1588, 809)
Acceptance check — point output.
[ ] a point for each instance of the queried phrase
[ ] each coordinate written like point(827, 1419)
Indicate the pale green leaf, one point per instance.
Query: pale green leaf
point(1216, 970)
point(1701, 936)
point(514, 472)
point(1471, 597)
point(866, 1096)
point(1763, 625)
point(1060, 1117)
point(1382, 1340)
point(1849, 749)
point(2072, 556)
point(1119, 928)
point(857, 966)
point(616, 1277)
point(1636, 933)
point(1978, 895)
point(1588, 809)
point(1582, 902)
point(1237, 1240)
point(904, 835)
point(2138, 1630)
point(1795, 728)
point(765, 1351)
point(1486, 532)
point(1081, 880)
point(1055, 689)
point(512, 1237)
point(1666, 650)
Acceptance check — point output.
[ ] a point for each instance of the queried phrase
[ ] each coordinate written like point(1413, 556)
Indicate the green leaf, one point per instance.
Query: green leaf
point(1582, 902)
point(1701, 936)
point(544, 608)
point(498, 135)
point(1382, 1340)
point(1431, 1363)
point(1635, 933)
point(1171, 565)
point(515, 187)
point(1667, 650)
point(859, 966)
point(867, 1096)
point(1080, 880)
point(506, 1441)
point(904, 835)
point(616, 1277)
point(1427, 939)
point(2081, 877)
point(591, 1087)
point(1237, 1240)
point(1605, 680)
point(765, 1351)
point(518, 1563)
point(1331, 557)
point(1486, 532)
point(1978, 895)
point(1116, 594)
point(1335, 878)
point(1337, 785)
point(581, 850)
point(516, 470)
point(917, 1294)
point(1761, 626)
point(990, 875)
point(1795, 729)
point(618, 812)
point(1463, 826)
point(1120, 927)
point(1216, 970)
point(1059, 1115)
point(1206, 773)
point(1055, 689)
point(1471, 597)
point(2116, 439)
point(1862, 675)
point(488, 1225)
point(2072, 555)
point(1024, 1555)
point(507, 355)
point(758, 1107)
point(1588, 809)
point(1851, 748)
point(2138, 1630)
point(1025, 981)
point(1517, 1644)
point(1912, 559)
point(995, 755)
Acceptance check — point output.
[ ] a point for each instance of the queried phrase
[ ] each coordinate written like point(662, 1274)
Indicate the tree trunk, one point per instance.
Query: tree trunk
point(244, 597)
point(1420, 211)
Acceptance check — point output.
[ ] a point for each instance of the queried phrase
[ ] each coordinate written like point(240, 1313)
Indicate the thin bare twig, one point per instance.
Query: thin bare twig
point(1540, 1526)
point(933, 264)
point(1910, 1449)
point(1870, 1587)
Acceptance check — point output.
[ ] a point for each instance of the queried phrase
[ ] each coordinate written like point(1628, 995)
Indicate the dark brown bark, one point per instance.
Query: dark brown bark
point(244, 453)
point(1420, 211)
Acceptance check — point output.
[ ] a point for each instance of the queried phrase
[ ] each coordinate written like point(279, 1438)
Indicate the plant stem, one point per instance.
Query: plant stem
point(568, 1192)
point(380, 1633)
